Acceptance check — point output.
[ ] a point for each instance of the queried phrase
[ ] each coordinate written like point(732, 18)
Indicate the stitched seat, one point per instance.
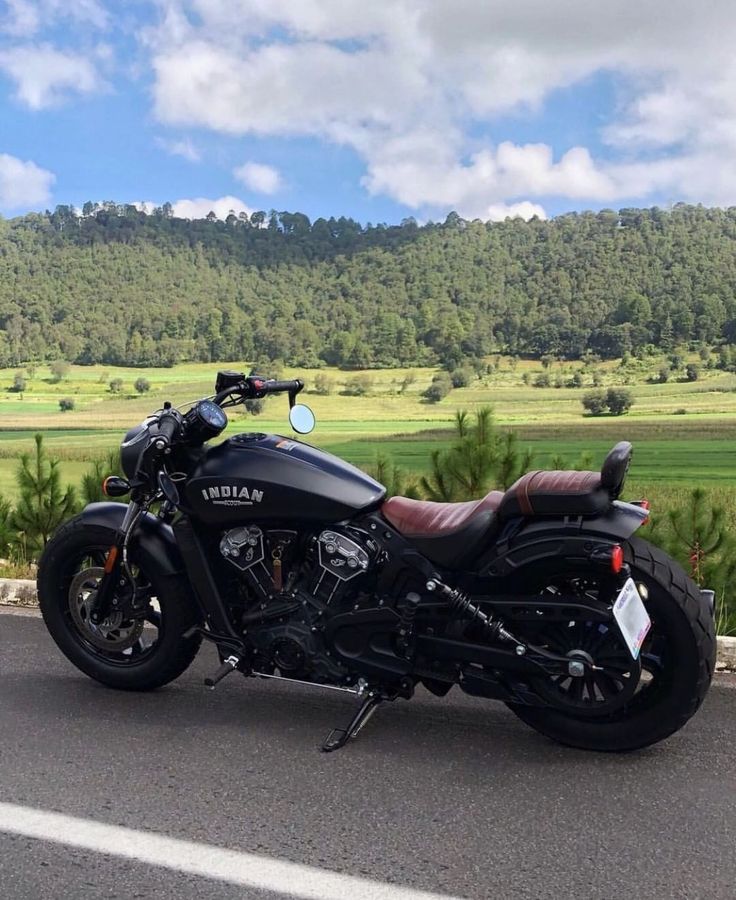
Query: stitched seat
point(449, 534)
point(555, 493)
point(424, 517)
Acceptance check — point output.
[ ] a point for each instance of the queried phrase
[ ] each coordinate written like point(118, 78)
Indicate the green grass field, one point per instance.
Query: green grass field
point(684, 432)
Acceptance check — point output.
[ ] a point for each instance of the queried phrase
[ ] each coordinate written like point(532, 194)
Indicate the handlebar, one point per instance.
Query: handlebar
point(168, 426)
point(254, 387)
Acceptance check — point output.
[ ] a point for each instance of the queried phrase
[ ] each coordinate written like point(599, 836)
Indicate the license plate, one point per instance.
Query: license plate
point(631, 617)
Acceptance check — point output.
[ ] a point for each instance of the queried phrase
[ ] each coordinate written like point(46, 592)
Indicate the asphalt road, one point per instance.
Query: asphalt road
point(452, 796)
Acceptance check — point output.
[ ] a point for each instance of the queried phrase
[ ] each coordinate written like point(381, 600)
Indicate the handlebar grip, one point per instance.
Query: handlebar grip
point(168, 426)
point(277, 387)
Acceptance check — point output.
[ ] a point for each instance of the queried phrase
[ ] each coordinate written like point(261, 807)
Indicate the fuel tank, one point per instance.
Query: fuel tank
point(269, 477)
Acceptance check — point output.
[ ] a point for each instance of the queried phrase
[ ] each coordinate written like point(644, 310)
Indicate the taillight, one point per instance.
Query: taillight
point(617, 559)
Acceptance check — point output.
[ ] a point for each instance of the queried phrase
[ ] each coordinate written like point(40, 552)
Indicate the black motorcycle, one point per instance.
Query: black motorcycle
point(296, 566)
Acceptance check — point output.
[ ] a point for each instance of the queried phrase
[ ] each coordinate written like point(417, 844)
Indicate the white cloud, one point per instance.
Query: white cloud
point(25, 17)
point(21, 19)
point(408, 84)
point(258, 177)
point(201, 207)
point(497, 212)
point(23, 184)
point(45, 76)
point(184, 148)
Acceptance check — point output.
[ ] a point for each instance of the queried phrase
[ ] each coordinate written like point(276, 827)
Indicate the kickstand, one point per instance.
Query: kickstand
point(338, 737)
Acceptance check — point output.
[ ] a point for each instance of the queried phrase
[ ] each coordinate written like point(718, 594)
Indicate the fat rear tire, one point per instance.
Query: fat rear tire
point(676, 605)
point(172, 653)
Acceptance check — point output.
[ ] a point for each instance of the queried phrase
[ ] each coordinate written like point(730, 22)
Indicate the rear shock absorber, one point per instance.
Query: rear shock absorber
point(463, 605)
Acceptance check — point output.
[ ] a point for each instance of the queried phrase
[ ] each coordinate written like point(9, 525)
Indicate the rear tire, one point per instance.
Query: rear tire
point(678, 612)
point(150, 668)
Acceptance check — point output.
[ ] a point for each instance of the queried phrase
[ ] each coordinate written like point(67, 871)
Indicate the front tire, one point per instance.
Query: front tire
point(682, 640)
point(137, 658)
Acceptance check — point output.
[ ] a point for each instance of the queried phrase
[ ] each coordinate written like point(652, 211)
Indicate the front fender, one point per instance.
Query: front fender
point(153, 540)
point(527, 541)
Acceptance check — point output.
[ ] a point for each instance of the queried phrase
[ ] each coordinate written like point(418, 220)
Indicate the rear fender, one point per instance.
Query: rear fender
point(153, 540)
point(526, 541)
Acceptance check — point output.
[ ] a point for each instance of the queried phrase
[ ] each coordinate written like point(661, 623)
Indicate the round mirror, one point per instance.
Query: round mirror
point(301, 418)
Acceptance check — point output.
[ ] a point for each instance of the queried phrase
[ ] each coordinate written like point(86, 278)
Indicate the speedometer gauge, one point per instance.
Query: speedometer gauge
point(205, 420)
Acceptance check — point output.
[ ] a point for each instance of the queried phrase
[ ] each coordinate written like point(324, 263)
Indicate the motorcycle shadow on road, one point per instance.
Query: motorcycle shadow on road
point(280, 720)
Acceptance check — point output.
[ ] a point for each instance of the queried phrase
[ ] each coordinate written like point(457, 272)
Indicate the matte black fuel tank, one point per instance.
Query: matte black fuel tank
point(265, 476)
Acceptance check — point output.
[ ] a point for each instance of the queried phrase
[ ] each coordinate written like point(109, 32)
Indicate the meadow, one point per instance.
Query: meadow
point(683, 431)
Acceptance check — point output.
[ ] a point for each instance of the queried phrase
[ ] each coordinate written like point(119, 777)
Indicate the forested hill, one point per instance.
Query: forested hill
point(117, 286)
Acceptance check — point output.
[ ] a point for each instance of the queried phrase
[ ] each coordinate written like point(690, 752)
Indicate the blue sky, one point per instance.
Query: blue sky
point(376, 111)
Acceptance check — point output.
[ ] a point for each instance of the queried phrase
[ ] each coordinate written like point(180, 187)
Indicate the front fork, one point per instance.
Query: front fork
point(105, 601)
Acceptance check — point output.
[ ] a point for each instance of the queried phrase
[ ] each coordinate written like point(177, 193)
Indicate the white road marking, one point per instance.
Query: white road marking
point(194, 858)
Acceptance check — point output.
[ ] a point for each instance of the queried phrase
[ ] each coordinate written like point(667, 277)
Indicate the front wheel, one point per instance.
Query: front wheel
point(677, 663)
point(136, 652)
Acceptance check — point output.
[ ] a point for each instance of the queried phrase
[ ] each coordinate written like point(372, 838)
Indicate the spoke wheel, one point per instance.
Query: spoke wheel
point(675, 663)
point(600, 690)
point(121, 638)
point(142, 644)
point(117, 632)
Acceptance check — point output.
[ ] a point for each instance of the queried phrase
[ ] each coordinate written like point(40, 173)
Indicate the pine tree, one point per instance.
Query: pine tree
point(396, 480)
point(479, 460)
point(43, 504)
point(698, 536)
point(7, 531)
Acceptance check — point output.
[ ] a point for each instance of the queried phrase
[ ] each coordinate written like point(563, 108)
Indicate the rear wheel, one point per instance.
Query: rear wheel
point(136, 651)
point(635, 703)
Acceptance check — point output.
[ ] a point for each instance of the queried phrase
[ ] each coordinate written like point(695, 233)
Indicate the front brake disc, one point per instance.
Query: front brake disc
point(115, 633)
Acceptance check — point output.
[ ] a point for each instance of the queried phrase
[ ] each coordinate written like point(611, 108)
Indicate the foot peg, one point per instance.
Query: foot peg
point(338, 737)
point(230, 664)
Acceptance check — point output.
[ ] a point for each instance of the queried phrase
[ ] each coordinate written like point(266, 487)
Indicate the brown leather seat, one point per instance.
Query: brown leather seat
point(555, 493)
point(424, 517)
point(452, 533)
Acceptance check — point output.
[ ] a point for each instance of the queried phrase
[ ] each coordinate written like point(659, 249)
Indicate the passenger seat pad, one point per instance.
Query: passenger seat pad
point(555, 493)
point(424, 517)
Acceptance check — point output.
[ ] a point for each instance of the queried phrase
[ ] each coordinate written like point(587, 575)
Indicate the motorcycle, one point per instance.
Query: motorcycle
point(296, 566)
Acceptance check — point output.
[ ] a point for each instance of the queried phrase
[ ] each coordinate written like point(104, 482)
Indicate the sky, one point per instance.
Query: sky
point(375, 109)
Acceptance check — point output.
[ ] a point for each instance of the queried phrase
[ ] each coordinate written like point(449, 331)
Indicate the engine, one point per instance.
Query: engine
point(288, 582)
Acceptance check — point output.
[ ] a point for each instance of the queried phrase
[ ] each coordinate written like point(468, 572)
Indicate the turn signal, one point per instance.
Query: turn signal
point(114, 486)
point(617, 559)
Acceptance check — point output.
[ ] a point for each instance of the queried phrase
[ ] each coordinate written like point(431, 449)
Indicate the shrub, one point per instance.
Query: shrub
point(692, 372)
point(19, 383)
point(66, 404)
point(407, 381)
point(461, 377)
point(359, 386)
point(542, 380)
point(619, 401)
point(594, 403)
point(116, 385)
point(59, 370)
point(322, 384)
point(142, 385)
point(439, 389)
